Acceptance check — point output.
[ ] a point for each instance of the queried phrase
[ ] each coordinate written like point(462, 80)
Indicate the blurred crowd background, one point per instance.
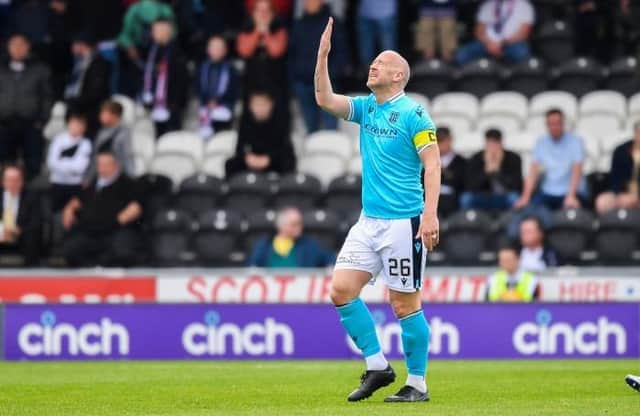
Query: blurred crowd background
point(186, 132)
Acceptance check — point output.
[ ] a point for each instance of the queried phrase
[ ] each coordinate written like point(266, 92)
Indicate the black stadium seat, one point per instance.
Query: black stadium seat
point(570, 235)
point(430, 78)
point(260, 224)
point(577, 76)
point(324, 226)
point(172, 231)
point(623, 76)
point(528, 77)
point(297, 190)
point(156, 191)
point(248, 192)
point(479, 77)
point(464, 237)
point(618, 238)
point(344, 195)
point(216, 240)
point(199, 193)
point(554, 42)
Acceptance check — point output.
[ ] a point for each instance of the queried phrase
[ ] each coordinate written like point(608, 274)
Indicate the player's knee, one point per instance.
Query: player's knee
point(340, 293)
point(402, 308)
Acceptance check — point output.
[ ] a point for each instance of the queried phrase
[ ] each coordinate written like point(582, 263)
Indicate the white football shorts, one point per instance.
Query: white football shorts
point(386, 248)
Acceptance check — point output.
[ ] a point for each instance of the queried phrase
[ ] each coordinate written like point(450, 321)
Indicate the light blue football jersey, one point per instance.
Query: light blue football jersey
point(392, 135)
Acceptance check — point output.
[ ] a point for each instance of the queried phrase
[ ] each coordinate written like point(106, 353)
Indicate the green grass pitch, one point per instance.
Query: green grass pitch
point(313, 388)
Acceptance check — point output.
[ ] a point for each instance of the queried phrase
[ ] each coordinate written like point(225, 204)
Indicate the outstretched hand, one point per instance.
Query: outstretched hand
point(325, 39)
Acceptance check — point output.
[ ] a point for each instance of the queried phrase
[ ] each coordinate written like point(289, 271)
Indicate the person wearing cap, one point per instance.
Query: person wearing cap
point(494, 176)
point(90, 81)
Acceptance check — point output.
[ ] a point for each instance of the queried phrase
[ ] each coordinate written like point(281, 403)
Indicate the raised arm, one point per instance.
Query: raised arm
point(336, 104)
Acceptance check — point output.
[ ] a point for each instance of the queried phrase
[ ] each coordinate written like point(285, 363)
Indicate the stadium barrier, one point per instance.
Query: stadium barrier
point(444, 285)
point(313, 331)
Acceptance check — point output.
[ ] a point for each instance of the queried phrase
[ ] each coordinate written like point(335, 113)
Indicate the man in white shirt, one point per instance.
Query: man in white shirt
point(68, 160)
point(502, 30)
point(20, 217)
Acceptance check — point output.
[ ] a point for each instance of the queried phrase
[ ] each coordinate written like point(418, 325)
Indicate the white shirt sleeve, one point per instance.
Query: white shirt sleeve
point(77, 164)
point(485, 13)
point(526, 12)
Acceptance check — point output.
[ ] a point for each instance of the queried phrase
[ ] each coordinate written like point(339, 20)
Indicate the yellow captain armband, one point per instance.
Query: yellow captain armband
point(424, 139)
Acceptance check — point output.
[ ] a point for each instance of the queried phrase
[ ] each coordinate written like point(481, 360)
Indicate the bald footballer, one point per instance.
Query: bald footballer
point(398, 223)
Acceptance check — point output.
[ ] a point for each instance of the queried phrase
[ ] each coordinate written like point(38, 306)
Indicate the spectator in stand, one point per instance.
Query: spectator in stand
point(25, 103)
point(289, 247)
point(217, 88)
point(534, 256)
point(68, 160)
point(624, 179)
point(135, 39)
point(338, 8)
point(453, 173)
point(263, 140)
point(164, 79)
point(560, 155)
point(21, 219)
point(502, 31)
point(263, 44)
point(510, 283)
point(437, 25)
point(90, 81)
point(494, 176)
point(101, 222)
point(47, 25)
point(305, 37)
point(113, 137)
point(376, 25)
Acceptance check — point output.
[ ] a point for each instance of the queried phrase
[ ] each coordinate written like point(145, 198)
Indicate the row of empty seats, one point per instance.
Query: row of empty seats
point(577, 76)
point(222, 237)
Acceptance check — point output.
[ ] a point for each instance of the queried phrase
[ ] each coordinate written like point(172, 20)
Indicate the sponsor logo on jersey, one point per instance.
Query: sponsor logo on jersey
point(389, 133)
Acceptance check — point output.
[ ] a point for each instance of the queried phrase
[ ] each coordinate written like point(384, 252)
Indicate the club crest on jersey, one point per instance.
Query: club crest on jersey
point(393, 117)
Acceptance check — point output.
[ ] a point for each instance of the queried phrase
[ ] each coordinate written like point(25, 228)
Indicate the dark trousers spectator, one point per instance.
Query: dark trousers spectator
point(513, 52)
point(314, 117)
point(27, 245)
point(488, 201)
point(21, 135)
point(372, 32)
point(118, 248)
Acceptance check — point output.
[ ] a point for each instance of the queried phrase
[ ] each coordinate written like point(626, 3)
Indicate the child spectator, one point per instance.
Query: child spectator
point(68, 160)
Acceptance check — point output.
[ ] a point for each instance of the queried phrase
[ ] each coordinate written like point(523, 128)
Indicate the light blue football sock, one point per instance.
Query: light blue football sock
point(415, 342)
point(357, 321)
